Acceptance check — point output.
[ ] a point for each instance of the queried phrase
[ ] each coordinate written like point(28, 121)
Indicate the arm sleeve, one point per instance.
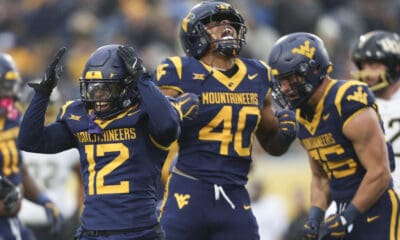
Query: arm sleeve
point(35, 137)
point(163, 119)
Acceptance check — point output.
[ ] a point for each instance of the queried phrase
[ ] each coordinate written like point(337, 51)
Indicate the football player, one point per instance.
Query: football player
point(377, 56)
point(122, 127)
point(17, 183)
point(205, 195)
point(340, 128)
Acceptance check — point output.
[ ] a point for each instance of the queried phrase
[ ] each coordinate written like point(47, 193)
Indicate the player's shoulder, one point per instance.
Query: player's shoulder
point(351, 90)
point(260, 67)
point(72, 107)
point(256, 63)
point(352, 95)
point(173, 65)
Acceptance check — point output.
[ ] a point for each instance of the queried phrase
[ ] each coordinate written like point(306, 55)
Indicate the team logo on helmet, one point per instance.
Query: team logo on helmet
point(304, 49)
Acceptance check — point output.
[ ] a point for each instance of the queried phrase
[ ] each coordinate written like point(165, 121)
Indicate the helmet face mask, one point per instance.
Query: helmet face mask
point(195, 36)
point(102, 95)
point(302, 60)
point(377, 48)
point(106, 86)
point(375, 74)
point(225, 37)
point(290, 90)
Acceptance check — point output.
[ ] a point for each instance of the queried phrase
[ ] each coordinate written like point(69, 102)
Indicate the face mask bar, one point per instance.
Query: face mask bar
point(99, 90)
point(228, 46)
point(383, 79)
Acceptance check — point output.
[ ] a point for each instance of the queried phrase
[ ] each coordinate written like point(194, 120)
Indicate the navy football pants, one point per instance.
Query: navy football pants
point(196, 210)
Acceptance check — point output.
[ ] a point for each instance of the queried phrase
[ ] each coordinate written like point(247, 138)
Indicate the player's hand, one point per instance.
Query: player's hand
point(287, 126)
point(311, 229)
point(52, 74)
point(54, 217)
point(188, 105)
point(335, 227)
point(133, 63)
point(10, 196)
point(339, 225)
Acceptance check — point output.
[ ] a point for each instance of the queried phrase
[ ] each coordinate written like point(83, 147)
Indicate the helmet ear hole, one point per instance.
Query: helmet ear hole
point(128, 80)
point(311, 63)
point(303, 69)
point(192, 40)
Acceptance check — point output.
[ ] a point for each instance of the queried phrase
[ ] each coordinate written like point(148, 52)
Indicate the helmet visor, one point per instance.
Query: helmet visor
point(99, 91)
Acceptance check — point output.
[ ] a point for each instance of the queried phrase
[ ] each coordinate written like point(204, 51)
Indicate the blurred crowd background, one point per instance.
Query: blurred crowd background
point(32, 30)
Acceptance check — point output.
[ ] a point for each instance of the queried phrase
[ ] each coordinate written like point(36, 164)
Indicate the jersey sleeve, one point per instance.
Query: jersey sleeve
point(352, 98)
point(169, 74)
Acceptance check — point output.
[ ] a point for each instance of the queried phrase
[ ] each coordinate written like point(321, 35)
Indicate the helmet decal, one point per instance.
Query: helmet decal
point(94, 75)
point(186, 20)
point(304, 49)
point(390, 45)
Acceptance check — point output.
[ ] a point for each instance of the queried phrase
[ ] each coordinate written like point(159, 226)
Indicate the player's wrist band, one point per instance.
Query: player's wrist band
point(351, 213)
point(316, 213)
point(43, 199)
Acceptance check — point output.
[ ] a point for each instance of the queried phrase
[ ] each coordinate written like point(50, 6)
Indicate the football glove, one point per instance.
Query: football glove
point(133, 63)
point(187, 105)
point(311, 227)
point(51, 76)
point(337, 226)
point(287, 126)
point(54, 217)
point(9, 194)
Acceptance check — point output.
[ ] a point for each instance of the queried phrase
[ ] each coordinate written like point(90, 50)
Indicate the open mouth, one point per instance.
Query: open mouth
point(101, 106)
point(291, 96)
point(227, 37)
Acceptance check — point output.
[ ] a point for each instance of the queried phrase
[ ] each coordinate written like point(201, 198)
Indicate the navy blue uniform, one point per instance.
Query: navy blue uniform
point(120, 167)
point(214, 149)
point(10, 167)
point(327, 145)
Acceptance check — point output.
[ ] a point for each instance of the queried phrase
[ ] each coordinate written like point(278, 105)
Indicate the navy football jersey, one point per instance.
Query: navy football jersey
point(120, 168)
point(325, 142)
point(216, 146)
point(10, 155)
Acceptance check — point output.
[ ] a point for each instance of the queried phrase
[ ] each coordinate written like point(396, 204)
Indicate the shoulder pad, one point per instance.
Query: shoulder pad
point(68, 105)
point(352, 96)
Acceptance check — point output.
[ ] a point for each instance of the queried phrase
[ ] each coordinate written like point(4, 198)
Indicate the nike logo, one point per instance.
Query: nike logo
point(326, 116)
point(246, 207)
point(252, 76)
point(371, 219)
